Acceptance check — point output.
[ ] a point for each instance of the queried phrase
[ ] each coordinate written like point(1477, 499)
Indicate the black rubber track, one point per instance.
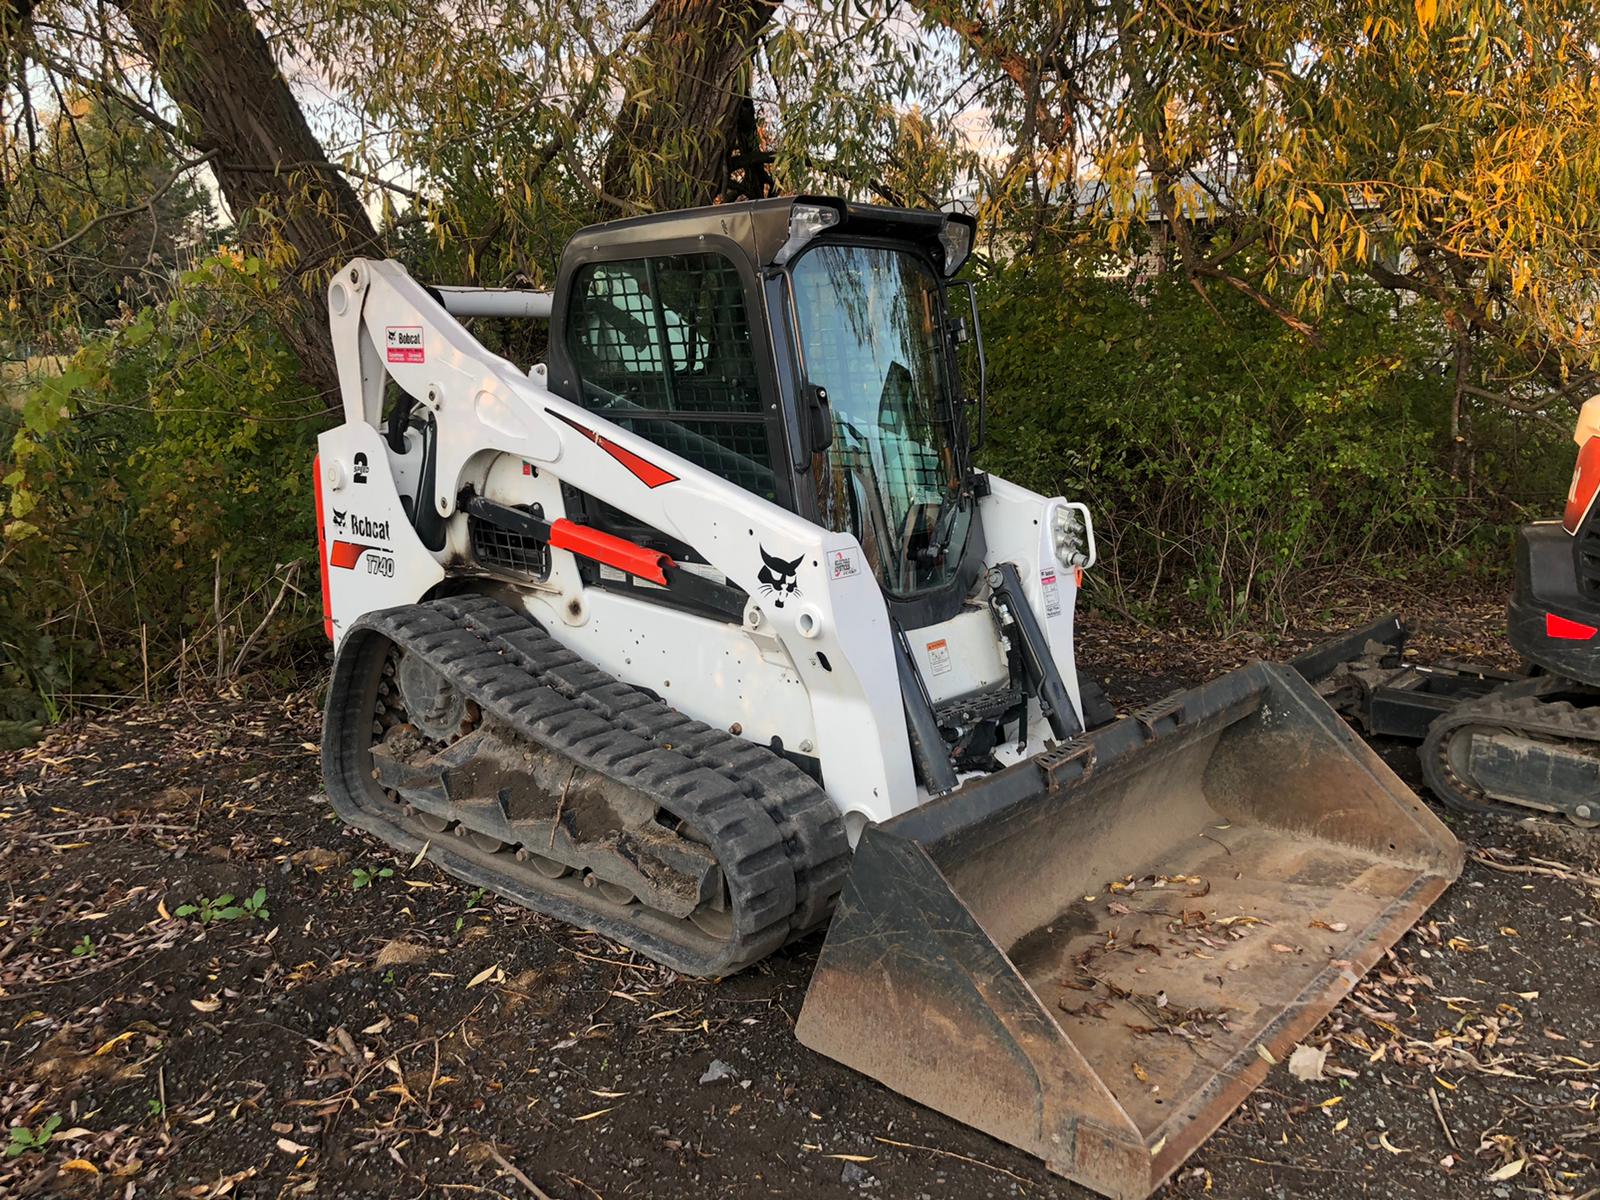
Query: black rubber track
point(1530, 708)
point(779, 840)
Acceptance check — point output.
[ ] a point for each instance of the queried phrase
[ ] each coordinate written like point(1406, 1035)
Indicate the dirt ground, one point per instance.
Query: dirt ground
point(408, 1037)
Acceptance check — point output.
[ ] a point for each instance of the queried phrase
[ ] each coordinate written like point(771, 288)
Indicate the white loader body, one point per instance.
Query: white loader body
point(813, 667)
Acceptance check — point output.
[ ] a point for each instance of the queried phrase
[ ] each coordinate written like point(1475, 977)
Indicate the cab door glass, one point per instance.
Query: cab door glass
point(663, 346)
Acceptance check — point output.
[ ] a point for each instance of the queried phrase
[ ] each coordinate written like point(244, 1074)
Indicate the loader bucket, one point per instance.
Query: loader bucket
point(1086, 954)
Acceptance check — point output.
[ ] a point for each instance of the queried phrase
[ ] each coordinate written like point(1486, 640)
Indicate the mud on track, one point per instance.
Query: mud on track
point(410, 1038)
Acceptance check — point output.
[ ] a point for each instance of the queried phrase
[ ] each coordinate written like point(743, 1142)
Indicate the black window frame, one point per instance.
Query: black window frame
point(567, 381)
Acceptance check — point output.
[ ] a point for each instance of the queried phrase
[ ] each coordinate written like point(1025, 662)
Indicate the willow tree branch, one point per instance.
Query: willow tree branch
point(147, 205)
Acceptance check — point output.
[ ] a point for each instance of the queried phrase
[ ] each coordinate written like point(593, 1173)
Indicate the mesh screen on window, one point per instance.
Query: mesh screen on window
point(668, 338)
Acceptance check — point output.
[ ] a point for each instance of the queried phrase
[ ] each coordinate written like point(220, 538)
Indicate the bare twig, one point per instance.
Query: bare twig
point(216, 604)
point(287, 581)
point(977, 1162)
point(1443, 1124)
point(534, 1189)
point(1552, 871)
point(146, 205)
point(561, 805)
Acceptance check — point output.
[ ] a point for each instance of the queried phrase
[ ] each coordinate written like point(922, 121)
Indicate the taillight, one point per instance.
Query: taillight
point(1586, 473)
point(322, 549)
point(1568, 629)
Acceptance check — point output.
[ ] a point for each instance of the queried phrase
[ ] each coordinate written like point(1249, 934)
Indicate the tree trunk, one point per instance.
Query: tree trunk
point(684, 134)
point(290, 203)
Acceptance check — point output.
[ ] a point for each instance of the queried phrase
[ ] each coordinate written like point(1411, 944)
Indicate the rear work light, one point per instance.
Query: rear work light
point(1586, 473)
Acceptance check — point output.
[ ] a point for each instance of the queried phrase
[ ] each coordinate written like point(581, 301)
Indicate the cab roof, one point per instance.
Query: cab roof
point(761, 227)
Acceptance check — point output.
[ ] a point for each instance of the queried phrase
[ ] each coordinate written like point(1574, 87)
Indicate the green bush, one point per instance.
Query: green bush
point(162, 477)
point(1230, 461)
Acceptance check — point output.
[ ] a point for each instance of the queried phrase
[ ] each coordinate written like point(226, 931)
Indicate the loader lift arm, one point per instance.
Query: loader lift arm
point(482, 406)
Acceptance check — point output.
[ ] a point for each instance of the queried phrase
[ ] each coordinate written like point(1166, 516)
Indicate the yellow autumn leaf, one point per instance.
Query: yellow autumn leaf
point(113, 1043)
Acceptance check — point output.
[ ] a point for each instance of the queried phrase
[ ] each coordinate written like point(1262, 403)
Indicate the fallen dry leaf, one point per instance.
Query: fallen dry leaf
point(1510, 1171)
point(1306, 1062)
point(113, 1043)
point(317, 858)
point(401, 953)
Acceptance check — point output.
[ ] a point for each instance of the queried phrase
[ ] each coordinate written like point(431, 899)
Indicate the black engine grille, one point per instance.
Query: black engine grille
point(501, 549)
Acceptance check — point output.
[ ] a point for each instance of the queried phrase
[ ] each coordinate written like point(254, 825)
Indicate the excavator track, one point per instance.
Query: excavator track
point(461, 727)
point(1537, 740)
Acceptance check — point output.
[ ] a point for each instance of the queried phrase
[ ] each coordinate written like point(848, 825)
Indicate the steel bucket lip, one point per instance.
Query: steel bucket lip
point(1181, 718)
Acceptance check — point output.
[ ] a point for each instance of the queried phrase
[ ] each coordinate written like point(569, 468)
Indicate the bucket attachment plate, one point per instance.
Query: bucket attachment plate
point(1085, 954)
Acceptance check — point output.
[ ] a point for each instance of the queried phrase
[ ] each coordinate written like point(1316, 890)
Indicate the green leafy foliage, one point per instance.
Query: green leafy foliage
point(227, 907)
point(24, 1139)
point(361, 877)
point(255, 905)
point(155, 496)
point(1230, 462)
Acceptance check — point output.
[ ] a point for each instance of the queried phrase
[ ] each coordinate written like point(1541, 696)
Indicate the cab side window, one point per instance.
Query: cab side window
point(663, 347)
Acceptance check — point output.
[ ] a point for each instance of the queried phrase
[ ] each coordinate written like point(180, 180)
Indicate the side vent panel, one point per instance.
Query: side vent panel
point(506, 550)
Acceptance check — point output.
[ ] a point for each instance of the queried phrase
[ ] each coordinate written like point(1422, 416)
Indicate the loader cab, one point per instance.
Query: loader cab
point(803, 348)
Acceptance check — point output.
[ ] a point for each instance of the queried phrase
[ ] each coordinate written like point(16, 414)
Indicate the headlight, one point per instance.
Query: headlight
point(1073, 535)
point(955, 235)
point(806, 221)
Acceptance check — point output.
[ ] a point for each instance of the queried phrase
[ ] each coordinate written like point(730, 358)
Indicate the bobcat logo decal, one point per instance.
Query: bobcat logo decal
point(338, 520)
point(777, 577)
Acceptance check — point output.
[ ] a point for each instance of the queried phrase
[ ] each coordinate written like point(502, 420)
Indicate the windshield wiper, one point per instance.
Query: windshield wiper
point(944, 527)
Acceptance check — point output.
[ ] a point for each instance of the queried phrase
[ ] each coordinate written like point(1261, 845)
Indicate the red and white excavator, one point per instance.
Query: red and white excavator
point(707, 631)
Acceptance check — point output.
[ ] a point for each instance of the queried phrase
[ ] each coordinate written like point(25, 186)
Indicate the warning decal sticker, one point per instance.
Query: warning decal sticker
point(939, 657)
point(1052, 593)
point(403, 343)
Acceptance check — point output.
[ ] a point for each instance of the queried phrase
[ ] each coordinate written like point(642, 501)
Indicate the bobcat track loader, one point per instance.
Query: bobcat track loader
point(706, 631)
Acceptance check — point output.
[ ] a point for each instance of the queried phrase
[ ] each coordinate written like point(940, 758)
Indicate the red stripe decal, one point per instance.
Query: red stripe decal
point(347, 554)
point(645, 471)
point(322, 549)
point(1572, 631)
point(613, 551)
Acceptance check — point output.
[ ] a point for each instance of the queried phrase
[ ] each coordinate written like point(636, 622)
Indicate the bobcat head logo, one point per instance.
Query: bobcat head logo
point(338, 520)
point(777, 577)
